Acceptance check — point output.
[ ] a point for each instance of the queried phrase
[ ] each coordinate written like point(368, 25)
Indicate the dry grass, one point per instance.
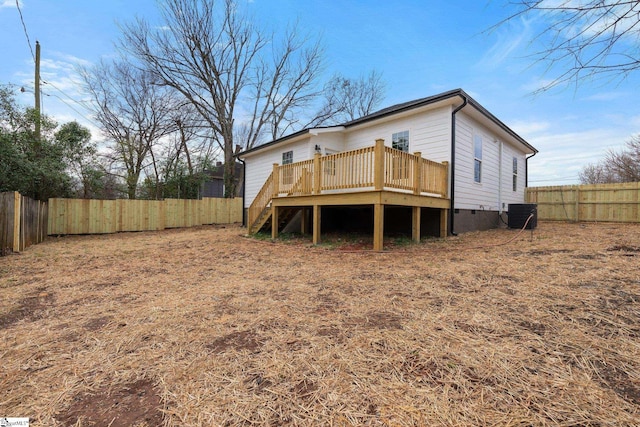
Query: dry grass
point(201, 327)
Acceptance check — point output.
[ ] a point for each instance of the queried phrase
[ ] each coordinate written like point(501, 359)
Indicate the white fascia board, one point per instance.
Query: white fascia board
point(409, 112)
point(279, 145)
point(333, 129)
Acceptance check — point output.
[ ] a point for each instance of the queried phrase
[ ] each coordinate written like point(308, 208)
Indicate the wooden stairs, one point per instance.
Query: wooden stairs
point(263, 222)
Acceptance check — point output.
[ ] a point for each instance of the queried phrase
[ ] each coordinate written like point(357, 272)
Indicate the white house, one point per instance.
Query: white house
point(445, 163)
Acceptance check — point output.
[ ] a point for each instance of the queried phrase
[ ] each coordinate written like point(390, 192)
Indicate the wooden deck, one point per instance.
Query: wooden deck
point(376, 176)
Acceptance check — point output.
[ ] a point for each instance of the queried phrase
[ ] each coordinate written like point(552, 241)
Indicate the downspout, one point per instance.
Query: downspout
point(244, 189)
point(500, 178)
point(452, 192)
point(526, 169)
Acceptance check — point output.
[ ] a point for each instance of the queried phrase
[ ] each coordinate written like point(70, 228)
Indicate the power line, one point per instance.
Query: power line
point(25, 29)
point(81, 103)
point(554, 179)
point(74, 109)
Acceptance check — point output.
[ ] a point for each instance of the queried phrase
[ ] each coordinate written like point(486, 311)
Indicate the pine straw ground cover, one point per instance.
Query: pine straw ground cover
point(202, 327)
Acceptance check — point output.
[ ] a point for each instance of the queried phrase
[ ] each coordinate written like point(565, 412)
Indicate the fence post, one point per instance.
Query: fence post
point(378, 165)
point(276, 180)
point(577, 196)
point(417, 173)
point(445, 179)
point(317, 174)
point(17, 198)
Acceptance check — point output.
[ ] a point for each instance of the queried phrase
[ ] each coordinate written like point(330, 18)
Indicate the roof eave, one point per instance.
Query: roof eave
point(499, 123)
point(290, 137)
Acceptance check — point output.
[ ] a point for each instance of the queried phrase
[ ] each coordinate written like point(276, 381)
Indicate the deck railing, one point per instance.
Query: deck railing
point(349, 169)
point(399, 169)
point(434, 177)
point(376, 167)
point(294, 179)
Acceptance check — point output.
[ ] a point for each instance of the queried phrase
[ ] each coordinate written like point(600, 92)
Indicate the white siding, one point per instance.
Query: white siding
point(508, 195)
point(429, 133)
point(259, 166)
point(495, 189)
point(333, 141)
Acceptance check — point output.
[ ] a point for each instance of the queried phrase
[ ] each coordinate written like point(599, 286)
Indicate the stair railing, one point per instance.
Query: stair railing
point(262, 201)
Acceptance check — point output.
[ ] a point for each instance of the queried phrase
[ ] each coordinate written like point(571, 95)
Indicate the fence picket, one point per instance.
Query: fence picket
point(23, 222)
point(594, 202)
point(78, 216)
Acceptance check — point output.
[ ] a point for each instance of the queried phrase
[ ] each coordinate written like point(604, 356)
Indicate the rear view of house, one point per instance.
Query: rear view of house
point(437, 165)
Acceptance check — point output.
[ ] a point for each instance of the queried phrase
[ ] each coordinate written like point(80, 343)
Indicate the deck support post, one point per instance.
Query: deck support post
point(443, 222)
point(303, 221)
point(378, 227)
point(415, 223)
point(316, 224)
point(274, 222)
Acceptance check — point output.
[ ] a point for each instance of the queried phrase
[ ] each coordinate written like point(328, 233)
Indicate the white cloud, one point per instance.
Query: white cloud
point(9, 3)
point(70, 59)
point(562, 156)
point(605, 96)
point(635, 122)
point(529, 128)
point(536, 84)
point(509, 40)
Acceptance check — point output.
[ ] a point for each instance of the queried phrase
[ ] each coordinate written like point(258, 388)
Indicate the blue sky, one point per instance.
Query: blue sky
point(421, 47)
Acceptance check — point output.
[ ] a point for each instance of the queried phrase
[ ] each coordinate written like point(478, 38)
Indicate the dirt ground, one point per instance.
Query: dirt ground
point(204, 327)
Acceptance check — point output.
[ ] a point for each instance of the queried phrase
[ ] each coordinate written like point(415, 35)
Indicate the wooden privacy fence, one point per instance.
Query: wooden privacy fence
point(23, 222)
point(86, 216)
point(596, 202)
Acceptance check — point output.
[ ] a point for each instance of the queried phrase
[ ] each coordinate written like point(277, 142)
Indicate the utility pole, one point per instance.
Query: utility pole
point(37, 91)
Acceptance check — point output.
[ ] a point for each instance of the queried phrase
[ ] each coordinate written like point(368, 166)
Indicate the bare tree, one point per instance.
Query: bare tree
point(587, 38)
point(284, 85)
point(625, 164)
point(596, 173)
point(217, 59)
point(134, 112)
point(617, 166)
point(349, 99)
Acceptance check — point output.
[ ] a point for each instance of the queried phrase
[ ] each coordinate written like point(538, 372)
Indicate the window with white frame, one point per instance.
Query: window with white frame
point(400, 141)
point(329, 162)
point(287, 157)
point(287, 173)
point(400, 168)
point(477, 158)
point(515, 174)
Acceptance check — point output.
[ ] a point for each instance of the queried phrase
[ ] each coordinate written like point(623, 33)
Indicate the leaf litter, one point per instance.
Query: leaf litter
point(204, 326)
